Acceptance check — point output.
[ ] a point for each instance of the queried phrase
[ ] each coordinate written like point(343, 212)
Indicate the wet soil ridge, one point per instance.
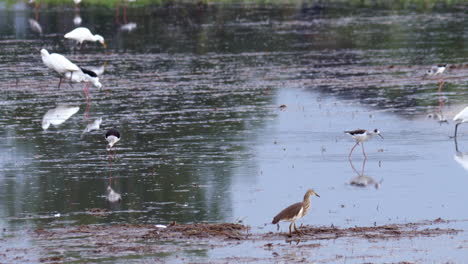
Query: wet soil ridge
point(201, 230)
point(124, 240)
point(390, 231)
point(240, 232)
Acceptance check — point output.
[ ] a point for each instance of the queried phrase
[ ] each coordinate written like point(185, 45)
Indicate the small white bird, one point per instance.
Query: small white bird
point(361, 136)
point(460, 118)
point(59, 63)
point(81, 34)
point(35, 26)
point(128, 27)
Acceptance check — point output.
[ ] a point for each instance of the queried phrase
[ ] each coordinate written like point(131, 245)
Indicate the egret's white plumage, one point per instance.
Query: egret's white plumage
point(460, 118)
point(59, 63)
point(81, 34)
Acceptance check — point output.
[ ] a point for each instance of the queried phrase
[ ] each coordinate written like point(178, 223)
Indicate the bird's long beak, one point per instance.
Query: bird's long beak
point(105, 45)
point(380, 136)
point(317, 195)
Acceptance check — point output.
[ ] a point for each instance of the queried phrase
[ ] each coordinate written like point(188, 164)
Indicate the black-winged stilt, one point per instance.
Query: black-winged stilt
point(361, 136)
point(112, 137)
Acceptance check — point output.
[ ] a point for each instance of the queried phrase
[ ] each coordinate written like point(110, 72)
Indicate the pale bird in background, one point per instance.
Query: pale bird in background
point(81, 34)
point(35, 26)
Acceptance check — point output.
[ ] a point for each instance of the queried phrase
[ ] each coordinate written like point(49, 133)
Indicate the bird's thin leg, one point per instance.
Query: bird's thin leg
point(115, 153)
point(290, 232)
point(363, 166)
point(71, 80)
point(88, 106)
point(297, 230)
point(86, 90)
point(352, 166)
point(125, 14)
point(109, 156)
point(363, 151)
point(441, 101)
point(352, 149)
point(456, 128)
point(117, 13)
point(60, 81)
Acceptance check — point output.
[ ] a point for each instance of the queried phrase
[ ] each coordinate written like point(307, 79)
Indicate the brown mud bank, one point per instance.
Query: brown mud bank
point(194, 242)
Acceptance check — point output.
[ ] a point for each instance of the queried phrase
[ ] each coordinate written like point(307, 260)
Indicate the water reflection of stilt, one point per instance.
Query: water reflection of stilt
point(441, 117)
point(88, 107)
point(362, 180)
point(127, 26)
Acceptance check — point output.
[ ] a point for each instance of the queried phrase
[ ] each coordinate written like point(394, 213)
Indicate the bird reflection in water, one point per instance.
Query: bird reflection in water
point(127, 26)
point(58, 115)
point(112, 196)
point(93, 125)
point(362, 180)
point(434, 71)
point(35, 26)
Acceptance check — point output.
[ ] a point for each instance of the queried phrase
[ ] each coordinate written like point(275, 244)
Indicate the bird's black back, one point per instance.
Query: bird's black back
point(88, 72)
point(357, 131)
point(113, 132)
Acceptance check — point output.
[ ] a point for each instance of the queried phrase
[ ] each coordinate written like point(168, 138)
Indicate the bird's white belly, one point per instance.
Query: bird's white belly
point(361, 138)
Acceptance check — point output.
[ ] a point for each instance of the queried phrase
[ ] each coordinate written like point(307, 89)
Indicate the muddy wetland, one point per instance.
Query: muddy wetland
point(228, 112)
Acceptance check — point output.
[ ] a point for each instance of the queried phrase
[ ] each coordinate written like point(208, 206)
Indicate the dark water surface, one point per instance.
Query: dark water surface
point(196, 92)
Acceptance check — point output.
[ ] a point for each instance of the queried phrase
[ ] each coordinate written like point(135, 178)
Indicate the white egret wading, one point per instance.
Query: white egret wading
point(59, 64)
point(81, 34)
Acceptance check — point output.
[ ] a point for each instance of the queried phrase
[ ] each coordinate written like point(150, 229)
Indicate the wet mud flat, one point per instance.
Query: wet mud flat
point(193, 243)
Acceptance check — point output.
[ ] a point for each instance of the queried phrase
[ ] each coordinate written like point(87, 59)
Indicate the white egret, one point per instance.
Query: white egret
point(59, 63)
point(81, 34)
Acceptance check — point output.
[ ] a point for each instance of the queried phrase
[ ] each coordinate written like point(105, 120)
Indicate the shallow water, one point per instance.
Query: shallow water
point(196, 93)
